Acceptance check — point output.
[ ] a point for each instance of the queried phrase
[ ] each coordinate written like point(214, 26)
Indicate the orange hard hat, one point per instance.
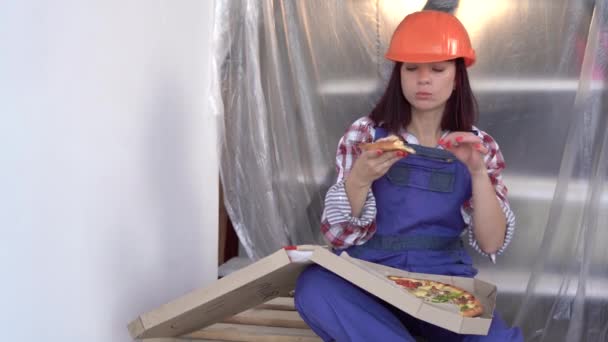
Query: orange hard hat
point(430, 36)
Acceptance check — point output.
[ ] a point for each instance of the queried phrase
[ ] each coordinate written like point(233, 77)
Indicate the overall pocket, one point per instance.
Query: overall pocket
point(422, 177)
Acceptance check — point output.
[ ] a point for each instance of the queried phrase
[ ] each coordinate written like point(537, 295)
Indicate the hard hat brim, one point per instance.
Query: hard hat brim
point(426, 58)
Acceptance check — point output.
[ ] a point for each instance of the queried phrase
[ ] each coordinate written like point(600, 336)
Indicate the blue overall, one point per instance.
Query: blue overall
point(418, 230)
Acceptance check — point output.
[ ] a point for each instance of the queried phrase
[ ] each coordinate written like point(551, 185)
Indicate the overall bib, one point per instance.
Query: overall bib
point(418, 230)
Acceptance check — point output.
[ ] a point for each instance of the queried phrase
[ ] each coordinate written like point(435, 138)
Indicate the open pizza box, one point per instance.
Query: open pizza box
point(276, 274)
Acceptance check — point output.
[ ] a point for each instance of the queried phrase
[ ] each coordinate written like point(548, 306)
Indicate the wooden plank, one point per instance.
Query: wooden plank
point(256, 323)
point(279, 303)
point(252, 333)
point(273, 318)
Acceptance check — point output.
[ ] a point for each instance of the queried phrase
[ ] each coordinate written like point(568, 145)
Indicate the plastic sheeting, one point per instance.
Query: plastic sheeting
point(577, 229)
point(290, 77)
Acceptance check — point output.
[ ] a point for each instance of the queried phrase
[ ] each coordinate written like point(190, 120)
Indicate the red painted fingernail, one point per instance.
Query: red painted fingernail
point(459, 139)
point(448, 144)
point(400, 153)
point(379, 152)
point(441, 142)
point(290, 248)
point(477, 145)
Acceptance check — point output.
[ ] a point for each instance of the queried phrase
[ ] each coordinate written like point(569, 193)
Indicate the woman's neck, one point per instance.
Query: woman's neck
point(426, 126)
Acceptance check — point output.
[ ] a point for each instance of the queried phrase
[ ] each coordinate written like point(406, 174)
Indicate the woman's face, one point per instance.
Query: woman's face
point(427, 86)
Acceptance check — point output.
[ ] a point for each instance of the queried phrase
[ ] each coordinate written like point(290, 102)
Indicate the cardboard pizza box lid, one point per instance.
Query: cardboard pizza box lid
point(276, 275)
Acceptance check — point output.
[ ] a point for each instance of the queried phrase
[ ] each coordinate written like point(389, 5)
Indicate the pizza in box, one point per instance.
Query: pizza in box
point(440, 293)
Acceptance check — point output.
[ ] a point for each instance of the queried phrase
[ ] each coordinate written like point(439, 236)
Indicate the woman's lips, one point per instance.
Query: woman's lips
point(423, 95)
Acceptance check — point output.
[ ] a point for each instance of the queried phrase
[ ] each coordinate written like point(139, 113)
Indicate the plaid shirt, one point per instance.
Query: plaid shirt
point(342, 230)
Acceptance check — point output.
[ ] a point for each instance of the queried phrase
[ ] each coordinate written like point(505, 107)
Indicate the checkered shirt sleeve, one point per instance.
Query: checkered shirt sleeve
point(495, 164)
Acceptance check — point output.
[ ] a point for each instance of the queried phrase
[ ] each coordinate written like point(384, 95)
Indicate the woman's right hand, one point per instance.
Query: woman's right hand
point(371, 165)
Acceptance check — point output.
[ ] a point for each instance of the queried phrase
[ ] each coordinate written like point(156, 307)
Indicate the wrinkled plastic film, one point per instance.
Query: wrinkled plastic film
point(576, 230)
point(280, 127)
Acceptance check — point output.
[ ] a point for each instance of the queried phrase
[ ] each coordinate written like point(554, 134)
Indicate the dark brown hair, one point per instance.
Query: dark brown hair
point(393, 112)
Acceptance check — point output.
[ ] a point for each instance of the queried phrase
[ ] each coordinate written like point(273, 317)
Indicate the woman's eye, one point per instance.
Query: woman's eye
point(438, 69)
point(410, 68)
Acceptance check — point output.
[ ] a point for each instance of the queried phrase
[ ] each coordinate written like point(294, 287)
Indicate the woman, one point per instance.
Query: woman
point(408, 211)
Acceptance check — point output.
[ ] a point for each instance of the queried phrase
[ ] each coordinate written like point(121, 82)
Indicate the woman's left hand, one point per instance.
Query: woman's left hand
point(468, 148)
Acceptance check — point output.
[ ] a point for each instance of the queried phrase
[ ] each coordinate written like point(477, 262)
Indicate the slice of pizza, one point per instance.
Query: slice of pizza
point(438, 292)
point(390, 143)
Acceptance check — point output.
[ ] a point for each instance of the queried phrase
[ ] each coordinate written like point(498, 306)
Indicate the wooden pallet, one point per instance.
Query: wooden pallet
point(274, 321)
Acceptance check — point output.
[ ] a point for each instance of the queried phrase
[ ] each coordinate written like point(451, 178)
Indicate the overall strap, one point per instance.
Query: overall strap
point(380, 133)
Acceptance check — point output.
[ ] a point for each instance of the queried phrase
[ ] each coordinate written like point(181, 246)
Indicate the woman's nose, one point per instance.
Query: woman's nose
point(424, 75)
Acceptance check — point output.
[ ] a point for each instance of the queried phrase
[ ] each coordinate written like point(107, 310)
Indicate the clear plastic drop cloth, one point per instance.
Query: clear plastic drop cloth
point(573, 255)
point(290, 76)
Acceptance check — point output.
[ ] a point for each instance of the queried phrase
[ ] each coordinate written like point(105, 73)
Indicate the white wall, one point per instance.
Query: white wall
point(108, 165)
